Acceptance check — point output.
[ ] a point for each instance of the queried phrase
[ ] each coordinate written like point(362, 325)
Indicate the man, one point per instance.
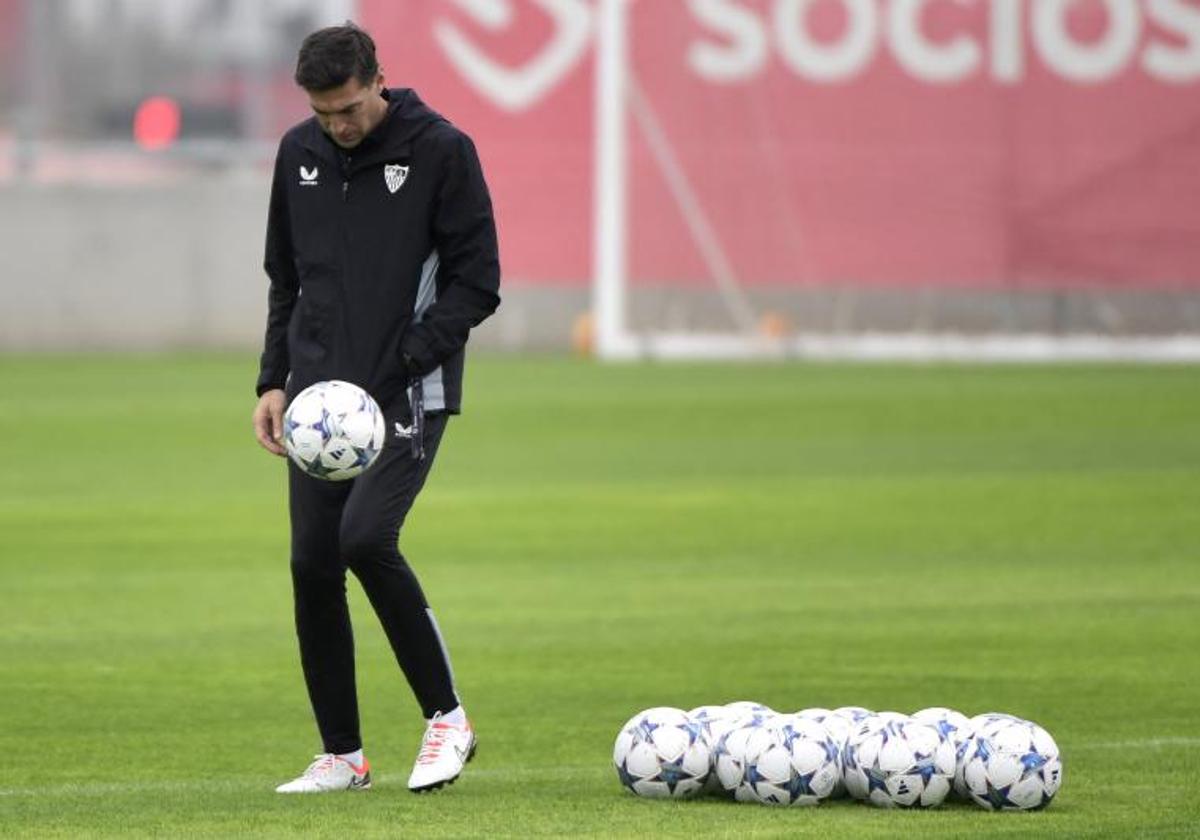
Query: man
point(381, 252)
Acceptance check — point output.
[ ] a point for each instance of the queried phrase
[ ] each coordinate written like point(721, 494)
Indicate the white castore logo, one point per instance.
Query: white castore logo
point(517, 88)
point(308, 177)
point(394, 175)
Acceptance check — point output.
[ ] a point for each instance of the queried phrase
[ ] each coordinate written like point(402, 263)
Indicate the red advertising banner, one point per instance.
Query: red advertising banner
point(991, 143)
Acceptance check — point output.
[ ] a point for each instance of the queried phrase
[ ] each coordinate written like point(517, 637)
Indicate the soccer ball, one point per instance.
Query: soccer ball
point(839, 728)
point(750, 708)
point(854, 714)
point(955, 726)
point(714, 721)
point(333, 430)
point(729, 757)
point(878, 720)
point(977, 724)
point(873, 722)
point(987, 720)
point(854, 780)
point(662, 753)
point(724, 724)
point(900, 763)
point(1012, 765)
point(791, 761)
point(815, 713)
point(844, 721)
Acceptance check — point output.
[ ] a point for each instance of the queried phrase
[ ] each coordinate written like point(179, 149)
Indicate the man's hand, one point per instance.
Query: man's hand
point(268, 421)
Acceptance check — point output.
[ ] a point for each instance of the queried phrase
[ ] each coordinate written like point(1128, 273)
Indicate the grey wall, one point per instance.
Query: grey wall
point(175, 265)
point(132, 267)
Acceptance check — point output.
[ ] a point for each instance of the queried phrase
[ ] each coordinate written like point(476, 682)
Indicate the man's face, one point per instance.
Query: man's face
point(348, 113)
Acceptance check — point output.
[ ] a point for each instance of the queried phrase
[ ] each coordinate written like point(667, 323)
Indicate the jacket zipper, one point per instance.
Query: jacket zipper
point(346, 179)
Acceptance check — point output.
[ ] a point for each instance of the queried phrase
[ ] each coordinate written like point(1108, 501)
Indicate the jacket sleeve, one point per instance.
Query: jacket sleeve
point(464, 234)
point(285, 287)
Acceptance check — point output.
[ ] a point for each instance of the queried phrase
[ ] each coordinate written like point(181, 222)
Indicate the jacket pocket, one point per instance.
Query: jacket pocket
point(314, 326)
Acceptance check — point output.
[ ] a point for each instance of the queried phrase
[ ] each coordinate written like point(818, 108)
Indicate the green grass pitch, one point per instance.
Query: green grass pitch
point(597, 540)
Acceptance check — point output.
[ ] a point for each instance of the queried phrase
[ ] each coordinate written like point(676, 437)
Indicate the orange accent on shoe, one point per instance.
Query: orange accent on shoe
point(360, 770)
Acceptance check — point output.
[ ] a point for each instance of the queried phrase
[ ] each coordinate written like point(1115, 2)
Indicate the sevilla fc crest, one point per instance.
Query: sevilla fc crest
point(394, 175)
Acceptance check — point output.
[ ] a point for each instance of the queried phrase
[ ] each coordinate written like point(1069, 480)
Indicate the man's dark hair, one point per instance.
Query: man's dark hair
point(332, 56)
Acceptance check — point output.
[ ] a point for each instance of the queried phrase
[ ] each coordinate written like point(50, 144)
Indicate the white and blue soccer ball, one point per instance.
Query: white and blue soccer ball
point(714, 721)
point(878, 720)
point(986, 718)
point(864, 727)
point(791, 761)
point(711, 719)
point(845, 721)
point(854, 714)
point(333, 430)
point(662, 753)
point(873, 722)
point(1012, 765)
point(978, 724)
point(839, 727)
point(816, 713)
point(747, 709)
point(955, 726)
point(899, 762)
point(729, 756)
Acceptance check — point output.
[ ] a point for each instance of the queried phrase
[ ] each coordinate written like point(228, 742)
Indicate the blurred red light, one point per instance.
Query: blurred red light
point(156, 123)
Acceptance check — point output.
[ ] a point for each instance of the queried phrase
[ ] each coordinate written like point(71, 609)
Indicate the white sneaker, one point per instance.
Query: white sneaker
point(444, 750)
point(329, 772)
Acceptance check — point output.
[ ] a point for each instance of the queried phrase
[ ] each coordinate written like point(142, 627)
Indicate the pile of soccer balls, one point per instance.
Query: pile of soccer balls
point(749, 752)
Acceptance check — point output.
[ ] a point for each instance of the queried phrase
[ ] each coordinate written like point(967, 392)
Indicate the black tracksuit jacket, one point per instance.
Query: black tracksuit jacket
point(381, 258)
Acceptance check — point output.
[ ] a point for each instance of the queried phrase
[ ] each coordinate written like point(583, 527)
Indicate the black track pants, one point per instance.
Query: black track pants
point(356, 525)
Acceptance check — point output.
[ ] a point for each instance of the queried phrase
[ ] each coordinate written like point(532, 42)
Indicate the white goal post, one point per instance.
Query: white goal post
point(622, 108)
